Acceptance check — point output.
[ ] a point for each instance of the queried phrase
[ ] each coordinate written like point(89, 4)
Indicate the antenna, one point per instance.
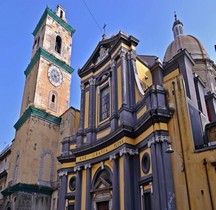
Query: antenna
point(92, 16)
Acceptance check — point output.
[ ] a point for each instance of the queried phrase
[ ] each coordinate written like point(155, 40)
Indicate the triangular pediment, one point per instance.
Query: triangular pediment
point(101, 185)
point(104, 49)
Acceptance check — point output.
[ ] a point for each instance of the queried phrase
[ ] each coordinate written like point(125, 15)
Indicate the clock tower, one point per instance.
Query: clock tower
point(32, 175)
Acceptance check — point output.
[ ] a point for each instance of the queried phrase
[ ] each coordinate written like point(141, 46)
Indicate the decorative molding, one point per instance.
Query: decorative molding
point(33, 111)
point(86, 166)
point(52, 14)
point(122, 52)
point(92, 81)
point(62, 173)
point(112, 64)
point(113, 157)
point(82, 86)
point(125, 151)
point(42, 52)
point(131, 55)
point(77, 168)
point(159, 139)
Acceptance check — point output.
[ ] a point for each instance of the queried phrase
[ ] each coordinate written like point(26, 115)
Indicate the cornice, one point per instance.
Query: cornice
point(32, 111)
point(42, 52)
point(52, 14)
point(20, 187)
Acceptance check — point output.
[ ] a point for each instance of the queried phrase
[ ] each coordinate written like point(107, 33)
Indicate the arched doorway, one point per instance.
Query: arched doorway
point(102, 190)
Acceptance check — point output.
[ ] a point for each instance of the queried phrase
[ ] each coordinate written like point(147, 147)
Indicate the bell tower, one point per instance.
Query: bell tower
point(33, 171)
point(48, 75)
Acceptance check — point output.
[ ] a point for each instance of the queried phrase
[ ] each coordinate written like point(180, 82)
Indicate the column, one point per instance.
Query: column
point(126, 114)
point(131, 69)
point(82, 114)
point(63, 189)
point(116, 191)
point(114, 88)
point(163, 189)
point(128, 178)
point(88, 187)
point(92, 107)
point(78, 193)
point(125, 93)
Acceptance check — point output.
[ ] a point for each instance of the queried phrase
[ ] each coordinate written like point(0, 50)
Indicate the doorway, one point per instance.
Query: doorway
point(103, 205)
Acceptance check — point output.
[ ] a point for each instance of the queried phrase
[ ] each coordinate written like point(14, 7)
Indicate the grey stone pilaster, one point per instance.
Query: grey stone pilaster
point(78, 193)
point(114, 117)
point(92, 107)
point(128, 177)
point(116, 191)
point(131, 68)
point(82, 114)
point(88, 187)
point(125, 93)
point(62, 190)
point(163, 190)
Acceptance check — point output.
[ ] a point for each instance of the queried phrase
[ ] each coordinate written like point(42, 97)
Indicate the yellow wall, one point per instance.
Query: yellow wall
point(182, 142)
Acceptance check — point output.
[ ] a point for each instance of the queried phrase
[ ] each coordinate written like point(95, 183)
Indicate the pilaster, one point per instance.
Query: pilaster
point(128, 178)
point(87, 167)
point(116, 190)
point(163, 189)
point(82, 114)
point(63, 189)
point(114, 117)
point(78, 193)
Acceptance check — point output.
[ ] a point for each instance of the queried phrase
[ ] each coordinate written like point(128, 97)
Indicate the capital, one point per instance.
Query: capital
point(82, 86)
point(122, 53)
point(159, 139)
point(62, 173)
point(77, 168)
point(113, 64)
point(86, 166)
point(92, 81)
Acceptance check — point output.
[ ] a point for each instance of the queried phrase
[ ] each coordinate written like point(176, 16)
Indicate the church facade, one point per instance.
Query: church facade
point(146, 138)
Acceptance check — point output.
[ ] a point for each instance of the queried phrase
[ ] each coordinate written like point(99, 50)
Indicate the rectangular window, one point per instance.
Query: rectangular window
point(104, 103)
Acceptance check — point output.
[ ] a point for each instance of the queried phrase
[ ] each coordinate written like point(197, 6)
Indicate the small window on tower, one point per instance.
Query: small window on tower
point(58, 44)
point(61, 14)
point(53, 100)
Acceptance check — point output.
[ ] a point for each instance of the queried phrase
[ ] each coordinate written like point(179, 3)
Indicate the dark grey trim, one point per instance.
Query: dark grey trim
point(88, 189)
point(116, 191)
point(62, 192)
point(78, 193)
point(128, 199)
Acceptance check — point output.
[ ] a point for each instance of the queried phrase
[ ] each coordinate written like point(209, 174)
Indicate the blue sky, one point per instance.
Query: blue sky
point(150, 21)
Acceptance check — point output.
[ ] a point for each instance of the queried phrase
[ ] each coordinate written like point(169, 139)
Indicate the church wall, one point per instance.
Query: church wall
point(190, 177)
point(43, 88)
point(52, 30)
point(41, 142)
point(29, 91)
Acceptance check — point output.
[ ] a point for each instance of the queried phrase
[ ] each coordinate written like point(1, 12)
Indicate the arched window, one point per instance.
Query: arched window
point(53, 100)
point(61, 14)
point(58, 44)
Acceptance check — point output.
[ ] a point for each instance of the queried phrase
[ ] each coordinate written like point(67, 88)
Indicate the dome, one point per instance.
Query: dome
point(181, 41)
point(193, 46)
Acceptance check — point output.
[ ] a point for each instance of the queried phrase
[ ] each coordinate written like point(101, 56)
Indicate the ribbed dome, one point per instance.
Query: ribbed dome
point(193, 46)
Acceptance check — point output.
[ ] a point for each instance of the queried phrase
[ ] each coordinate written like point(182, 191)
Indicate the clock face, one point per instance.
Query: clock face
point(55, 76)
